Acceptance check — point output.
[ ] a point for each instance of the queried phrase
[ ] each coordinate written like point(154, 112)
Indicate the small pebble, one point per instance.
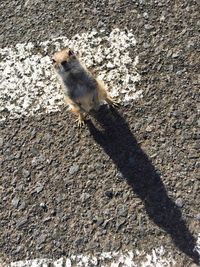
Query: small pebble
point(198, 217)
point(109, 193)
point(1, 141)
point(179, 202)
point(21, 222)
point(74, 169)
point(41, 239)
point(25, 173)
point(15, 202)
point(122, 211)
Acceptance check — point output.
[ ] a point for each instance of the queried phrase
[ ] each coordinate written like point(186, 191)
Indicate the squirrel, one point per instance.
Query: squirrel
point(82, 92)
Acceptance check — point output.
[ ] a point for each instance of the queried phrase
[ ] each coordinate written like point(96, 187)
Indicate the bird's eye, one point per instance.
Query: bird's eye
point(53, 61)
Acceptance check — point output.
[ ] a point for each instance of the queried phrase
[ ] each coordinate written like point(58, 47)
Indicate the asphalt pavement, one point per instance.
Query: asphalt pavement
point(128, 181)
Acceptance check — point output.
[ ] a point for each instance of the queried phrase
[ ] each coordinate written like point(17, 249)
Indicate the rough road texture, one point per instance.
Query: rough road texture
point(132, 181)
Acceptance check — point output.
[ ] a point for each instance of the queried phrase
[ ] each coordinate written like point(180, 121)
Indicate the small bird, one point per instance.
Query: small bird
point(82, 92)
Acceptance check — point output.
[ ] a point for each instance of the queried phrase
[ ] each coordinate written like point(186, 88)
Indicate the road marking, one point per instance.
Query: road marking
point(28, 85)
point(158, 258)
point(113, 259)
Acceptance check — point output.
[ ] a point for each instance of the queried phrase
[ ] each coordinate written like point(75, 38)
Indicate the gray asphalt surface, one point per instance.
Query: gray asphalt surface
point(131, 181)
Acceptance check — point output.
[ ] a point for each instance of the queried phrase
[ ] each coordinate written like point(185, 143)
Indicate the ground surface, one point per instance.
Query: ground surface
point(131, 181)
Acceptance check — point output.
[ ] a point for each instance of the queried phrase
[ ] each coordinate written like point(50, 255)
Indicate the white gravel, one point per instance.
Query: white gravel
point(28, 85)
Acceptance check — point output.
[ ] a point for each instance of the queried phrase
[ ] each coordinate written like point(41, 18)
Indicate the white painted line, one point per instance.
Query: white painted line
point(112, 259)
point(28, 84)
point(197, 247)
point(159, 257)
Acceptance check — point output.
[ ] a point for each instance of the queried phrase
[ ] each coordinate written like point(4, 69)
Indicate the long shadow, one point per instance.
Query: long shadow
point(134, 165)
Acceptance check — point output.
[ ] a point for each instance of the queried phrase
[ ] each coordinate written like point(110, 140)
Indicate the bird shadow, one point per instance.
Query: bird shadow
point(136, 168)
